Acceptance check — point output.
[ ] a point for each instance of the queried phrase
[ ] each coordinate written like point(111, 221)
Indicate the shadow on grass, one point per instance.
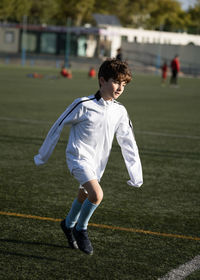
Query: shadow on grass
point(32, 243)
point(27, 256)
point(21, 242)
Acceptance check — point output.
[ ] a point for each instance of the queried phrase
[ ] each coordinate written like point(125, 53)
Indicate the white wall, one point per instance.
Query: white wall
point(9, 39)
point(114, 34)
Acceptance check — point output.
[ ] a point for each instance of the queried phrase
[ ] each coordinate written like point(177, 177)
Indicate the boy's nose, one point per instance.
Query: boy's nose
point(120, 87)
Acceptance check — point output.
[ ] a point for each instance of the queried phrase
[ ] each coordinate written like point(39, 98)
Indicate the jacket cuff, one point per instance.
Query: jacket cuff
point(38, 160)
point(132, 184)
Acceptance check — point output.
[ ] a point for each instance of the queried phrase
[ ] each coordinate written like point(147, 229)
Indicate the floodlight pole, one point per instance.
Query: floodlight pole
point(67, 42)
point(24, 41)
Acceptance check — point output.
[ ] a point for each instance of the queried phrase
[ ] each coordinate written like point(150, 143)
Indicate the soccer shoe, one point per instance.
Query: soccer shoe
point(83, 241)
point(69, 234)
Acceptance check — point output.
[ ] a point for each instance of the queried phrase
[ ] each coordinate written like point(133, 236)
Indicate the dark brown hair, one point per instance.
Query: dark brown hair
point(116, 70)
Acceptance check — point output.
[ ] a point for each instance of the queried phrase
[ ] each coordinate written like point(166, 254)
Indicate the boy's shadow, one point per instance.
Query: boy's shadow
point(21, 242)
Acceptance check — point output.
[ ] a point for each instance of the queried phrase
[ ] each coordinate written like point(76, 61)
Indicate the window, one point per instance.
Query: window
point(124, 38)
point(48, 43)
point(82, 45)
point(31, 42)
point(9, 37)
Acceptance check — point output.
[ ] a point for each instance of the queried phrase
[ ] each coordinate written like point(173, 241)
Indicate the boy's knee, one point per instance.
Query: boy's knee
point(95, 192)
point(98, 197)
point(95, 196)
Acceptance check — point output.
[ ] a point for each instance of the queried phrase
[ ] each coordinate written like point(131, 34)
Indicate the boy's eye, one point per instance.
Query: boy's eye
point(120, 83)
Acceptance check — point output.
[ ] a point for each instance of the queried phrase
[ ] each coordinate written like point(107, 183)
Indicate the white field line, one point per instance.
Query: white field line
point(184, 270)
point(137, 131)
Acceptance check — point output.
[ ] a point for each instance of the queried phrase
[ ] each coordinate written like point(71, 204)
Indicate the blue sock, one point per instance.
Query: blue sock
point(87, 210)
point(73, 214)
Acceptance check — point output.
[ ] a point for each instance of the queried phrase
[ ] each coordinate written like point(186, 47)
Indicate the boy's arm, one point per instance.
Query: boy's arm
point(68, 117)
point(130, 152)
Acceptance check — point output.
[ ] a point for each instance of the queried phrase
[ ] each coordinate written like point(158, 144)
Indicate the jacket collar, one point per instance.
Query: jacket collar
point(98, 95)
point(102, 101)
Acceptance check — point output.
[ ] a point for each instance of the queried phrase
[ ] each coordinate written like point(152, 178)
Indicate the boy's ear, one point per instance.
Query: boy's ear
point(101, 81)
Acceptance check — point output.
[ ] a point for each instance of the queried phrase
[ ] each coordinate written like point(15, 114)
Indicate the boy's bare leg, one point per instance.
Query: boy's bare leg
point(95, 193)
point(90, 201)
point(82, 195)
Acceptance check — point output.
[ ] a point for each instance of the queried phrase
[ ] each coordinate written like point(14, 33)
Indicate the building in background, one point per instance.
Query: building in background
point(139, 46)
point(86, 41)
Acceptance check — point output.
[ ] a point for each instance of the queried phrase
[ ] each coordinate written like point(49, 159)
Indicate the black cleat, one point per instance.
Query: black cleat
point(69, 234)
point(83, 241)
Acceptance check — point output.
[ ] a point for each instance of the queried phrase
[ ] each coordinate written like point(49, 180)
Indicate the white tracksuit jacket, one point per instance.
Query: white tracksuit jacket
point(94, 122)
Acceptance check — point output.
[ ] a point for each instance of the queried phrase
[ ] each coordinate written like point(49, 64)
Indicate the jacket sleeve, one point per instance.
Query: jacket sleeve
point(126, 140)
point(69, 116)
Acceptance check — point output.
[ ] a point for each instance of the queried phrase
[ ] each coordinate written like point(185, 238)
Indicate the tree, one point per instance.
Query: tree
point(14, 10)
point(37, 11)
point(137, 13)
point(79, 11)
point(42, 11)
point(150, 14)
point(112, 7)
point(167, 15)
point(194, 15)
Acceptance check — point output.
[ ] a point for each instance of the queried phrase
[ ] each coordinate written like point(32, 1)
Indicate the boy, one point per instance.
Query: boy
point(94, 121)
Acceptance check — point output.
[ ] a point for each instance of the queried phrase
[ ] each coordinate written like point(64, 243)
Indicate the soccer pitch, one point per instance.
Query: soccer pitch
point(137, 234)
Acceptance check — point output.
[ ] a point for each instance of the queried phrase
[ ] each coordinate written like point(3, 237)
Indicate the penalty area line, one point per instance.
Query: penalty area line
point(104, 226)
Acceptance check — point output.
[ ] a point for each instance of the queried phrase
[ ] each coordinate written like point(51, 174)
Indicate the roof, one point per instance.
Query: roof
point(106, 20)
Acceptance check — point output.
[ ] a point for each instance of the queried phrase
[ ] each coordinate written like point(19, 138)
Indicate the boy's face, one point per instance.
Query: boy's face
point(111, 89)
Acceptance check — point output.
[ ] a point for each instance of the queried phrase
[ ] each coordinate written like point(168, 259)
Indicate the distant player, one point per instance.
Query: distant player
point(94, 121)
point(119, 54)
point(92, 73)
point(175, 68)
point(164, 73)
point(66, 73)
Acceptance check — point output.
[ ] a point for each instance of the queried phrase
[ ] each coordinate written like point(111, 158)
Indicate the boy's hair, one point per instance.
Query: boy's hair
point(116, 70)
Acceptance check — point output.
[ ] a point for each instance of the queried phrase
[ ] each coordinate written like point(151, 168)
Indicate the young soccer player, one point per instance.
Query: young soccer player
point(94, 121)
point(164, 73)
point(92, 73)
point(175, 69)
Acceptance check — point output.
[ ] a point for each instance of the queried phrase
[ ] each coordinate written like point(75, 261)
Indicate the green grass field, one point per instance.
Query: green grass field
point(166, 124)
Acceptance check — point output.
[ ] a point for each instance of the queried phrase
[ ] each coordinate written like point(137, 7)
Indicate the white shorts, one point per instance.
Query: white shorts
point(83, 175)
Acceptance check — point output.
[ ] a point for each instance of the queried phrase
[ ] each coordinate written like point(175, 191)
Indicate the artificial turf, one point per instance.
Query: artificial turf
point(166, 126)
